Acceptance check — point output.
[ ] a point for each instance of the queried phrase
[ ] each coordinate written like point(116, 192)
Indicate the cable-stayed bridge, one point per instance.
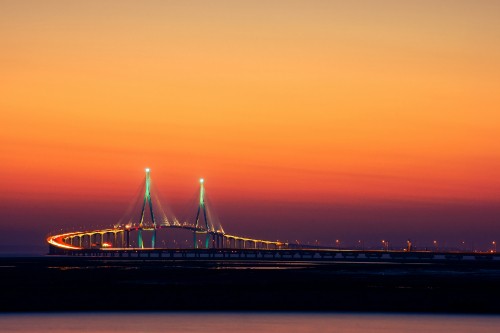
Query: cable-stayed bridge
point(130, 231)
point(135, 235)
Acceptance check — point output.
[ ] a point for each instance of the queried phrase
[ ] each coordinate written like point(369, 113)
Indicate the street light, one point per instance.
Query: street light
point(435, 245)
point(408, 245)
point(494, 246)
point(337, 242)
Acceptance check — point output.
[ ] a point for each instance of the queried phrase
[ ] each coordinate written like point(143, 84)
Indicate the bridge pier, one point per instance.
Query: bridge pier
point(217, 241)
point(114, 240)
point(140, 243)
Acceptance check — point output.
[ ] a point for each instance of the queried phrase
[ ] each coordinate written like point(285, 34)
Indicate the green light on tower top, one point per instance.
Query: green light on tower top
point(148, 184)
point(202, 193)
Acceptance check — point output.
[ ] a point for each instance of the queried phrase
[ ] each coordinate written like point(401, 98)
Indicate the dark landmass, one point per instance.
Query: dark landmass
point(58, 283)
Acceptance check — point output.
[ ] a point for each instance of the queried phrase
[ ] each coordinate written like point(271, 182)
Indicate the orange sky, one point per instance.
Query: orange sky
point(276, 101)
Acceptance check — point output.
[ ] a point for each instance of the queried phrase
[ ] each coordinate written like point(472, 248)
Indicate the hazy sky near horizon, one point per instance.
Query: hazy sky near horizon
point(321, 119)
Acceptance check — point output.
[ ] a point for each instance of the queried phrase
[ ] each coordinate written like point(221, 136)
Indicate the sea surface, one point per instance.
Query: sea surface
point(218, 322)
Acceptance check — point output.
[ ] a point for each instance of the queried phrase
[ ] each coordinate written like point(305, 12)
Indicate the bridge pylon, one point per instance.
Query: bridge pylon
point(202, 209)
point(147, 202)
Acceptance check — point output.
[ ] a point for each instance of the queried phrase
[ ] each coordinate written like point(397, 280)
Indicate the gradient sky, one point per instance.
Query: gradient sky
point(308, 119)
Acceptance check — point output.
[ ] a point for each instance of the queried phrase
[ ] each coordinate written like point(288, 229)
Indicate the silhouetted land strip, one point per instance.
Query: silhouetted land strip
point(100, 284)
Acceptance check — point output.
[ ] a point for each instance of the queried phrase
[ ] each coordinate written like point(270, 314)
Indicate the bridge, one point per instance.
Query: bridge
point(146, 218)
point(152, 218)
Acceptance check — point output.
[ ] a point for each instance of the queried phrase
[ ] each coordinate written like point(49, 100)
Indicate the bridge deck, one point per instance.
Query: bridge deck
point(313, 255)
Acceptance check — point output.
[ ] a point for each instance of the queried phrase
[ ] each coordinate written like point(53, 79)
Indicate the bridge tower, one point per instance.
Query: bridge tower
point(201, 210)
point(147, 201)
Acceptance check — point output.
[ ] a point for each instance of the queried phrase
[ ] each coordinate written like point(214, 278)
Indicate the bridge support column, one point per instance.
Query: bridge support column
point(140, 242)
point(153, 239)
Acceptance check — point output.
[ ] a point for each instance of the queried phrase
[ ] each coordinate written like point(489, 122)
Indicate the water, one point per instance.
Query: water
point(246, 322)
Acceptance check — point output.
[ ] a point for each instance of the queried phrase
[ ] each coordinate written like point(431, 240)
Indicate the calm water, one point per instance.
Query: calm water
point(245, 322)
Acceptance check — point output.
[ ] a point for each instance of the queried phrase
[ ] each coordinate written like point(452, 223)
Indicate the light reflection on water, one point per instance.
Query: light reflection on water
point(245, 322)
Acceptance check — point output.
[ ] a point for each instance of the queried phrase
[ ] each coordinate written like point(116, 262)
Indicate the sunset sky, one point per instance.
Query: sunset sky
point(309, 120)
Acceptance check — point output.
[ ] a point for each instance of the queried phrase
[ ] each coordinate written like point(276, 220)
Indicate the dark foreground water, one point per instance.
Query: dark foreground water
point(245, 322)
point(72, 284)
